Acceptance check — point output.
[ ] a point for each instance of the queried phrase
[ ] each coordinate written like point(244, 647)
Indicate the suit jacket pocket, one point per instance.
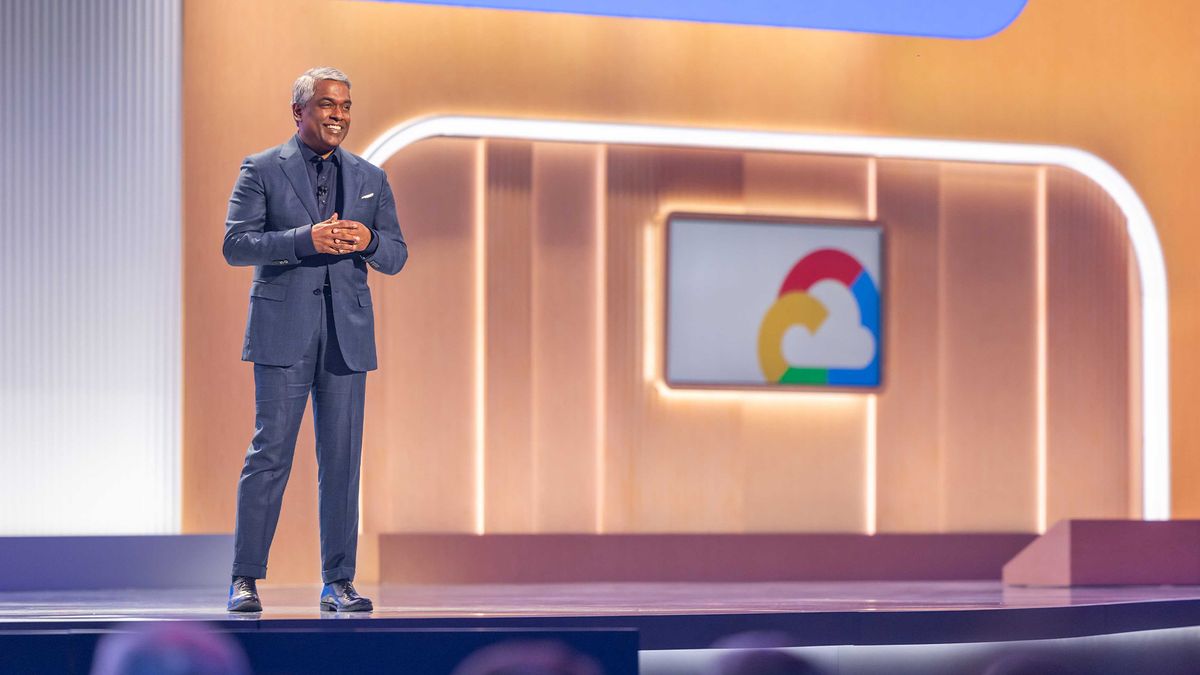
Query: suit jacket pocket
point(268, 291)
point(364, 298)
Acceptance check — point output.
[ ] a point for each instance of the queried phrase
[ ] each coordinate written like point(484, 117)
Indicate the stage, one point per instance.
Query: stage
point(426, 628)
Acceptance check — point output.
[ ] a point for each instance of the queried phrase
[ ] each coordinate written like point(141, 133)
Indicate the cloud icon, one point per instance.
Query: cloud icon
point(840, 342)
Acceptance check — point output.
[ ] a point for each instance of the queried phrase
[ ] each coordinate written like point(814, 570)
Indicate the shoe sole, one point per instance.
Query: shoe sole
point(330, 607)
point(245, 609)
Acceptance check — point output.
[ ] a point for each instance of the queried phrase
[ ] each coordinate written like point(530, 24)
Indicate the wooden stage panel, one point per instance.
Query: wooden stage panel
point(566, 558)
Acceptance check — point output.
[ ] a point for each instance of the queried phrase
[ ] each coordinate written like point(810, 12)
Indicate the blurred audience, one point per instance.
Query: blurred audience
point(182, 648)
point(528, 658)
point(759, 653)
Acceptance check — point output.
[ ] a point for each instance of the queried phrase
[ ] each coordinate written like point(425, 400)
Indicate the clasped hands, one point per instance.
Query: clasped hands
point(340, 236)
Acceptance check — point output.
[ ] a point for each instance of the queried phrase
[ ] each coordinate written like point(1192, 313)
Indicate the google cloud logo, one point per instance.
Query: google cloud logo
point(823, 329)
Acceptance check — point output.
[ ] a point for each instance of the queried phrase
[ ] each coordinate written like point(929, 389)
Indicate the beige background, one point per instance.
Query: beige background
point(957, 421)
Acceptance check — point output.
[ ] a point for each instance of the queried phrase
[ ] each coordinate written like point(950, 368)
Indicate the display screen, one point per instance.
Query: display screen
point(773, 302)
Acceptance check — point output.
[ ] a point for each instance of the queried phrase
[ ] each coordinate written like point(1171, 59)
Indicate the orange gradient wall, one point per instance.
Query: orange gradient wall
point(1104, 77)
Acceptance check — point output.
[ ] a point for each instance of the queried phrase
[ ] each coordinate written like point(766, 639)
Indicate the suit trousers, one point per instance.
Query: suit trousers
point(280, 396)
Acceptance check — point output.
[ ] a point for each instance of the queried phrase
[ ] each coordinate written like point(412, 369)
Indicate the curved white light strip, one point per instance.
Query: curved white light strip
point(1156, 468)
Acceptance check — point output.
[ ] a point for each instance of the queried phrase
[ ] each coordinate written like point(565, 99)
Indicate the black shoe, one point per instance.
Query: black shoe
point(243, 596)
point(340, 596)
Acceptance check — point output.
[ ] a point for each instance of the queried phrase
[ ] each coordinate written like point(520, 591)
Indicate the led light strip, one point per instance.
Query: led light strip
point(480, 338)
point(1156, 468)
point(1041, 326)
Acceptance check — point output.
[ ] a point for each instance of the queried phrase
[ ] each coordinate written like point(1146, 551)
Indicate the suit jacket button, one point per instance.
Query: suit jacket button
point(316, 291)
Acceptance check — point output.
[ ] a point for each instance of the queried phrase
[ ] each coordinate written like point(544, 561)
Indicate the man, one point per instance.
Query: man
point(311, 218)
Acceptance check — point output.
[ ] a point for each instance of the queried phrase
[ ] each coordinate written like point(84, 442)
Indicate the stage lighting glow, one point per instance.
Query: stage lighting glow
point(480, 336)
point(1156, 469)
point(652, 291)
point(1041, 327)
point(871, 489)
point(601, 281)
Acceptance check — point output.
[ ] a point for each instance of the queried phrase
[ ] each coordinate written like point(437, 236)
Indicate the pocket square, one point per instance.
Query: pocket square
point(366, 196)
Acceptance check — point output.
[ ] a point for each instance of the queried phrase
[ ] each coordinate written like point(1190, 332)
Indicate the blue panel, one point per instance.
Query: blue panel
point(91, 563)
point(966, 19)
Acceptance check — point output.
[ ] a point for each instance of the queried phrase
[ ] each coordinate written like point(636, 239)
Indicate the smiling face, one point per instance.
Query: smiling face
point(324, 120)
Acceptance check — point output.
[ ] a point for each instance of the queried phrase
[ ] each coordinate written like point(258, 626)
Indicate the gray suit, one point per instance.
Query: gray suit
point(310, 331)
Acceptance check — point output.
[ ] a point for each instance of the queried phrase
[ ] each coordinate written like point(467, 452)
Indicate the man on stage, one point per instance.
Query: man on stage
point(311, 218)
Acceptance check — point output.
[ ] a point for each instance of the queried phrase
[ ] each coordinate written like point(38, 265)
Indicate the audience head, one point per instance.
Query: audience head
point(527, 657)
point(169, 649)
point(759, 653)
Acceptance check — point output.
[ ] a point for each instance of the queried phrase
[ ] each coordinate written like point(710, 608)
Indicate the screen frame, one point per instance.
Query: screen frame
point(768, 219)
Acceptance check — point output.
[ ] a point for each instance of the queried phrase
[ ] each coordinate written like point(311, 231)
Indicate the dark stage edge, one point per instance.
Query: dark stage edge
point(305, 649)
point(665, 615)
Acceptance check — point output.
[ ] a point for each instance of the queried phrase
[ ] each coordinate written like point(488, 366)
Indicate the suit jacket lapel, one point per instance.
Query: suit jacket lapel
point(294, 169)
point(351, 183)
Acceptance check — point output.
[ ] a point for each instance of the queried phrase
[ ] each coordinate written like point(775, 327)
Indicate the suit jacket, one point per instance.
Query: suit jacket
point(269, 226)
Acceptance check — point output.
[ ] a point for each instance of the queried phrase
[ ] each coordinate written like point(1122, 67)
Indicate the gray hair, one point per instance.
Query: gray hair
point(302, 88)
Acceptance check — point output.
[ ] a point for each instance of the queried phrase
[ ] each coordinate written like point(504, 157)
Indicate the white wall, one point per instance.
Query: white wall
point(90, 310)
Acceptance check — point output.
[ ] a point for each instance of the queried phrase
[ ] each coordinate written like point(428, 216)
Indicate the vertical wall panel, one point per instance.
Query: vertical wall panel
point(508, 429)
point(90, 188)
point(1088, 348)
point(909, 492)
point(419, 456)
point(632, 185)
point(987, 347)
point(564, 335)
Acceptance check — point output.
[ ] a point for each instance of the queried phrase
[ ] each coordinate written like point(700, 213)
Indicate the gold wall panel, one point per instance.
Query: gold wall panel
point(420, 404)
point(573, 262)
point(1091, 360)
point(911, 497)
point(565, 338)
point(987, 347)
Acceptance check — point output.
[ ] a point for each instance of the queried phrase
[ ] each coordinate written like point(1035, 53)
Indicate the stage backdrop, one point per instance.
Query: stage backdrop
point(520, 351)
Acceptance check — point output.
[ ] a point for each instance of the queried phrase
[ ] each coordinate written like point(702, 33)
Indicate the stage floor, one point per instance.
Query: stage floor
point(668, 615)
